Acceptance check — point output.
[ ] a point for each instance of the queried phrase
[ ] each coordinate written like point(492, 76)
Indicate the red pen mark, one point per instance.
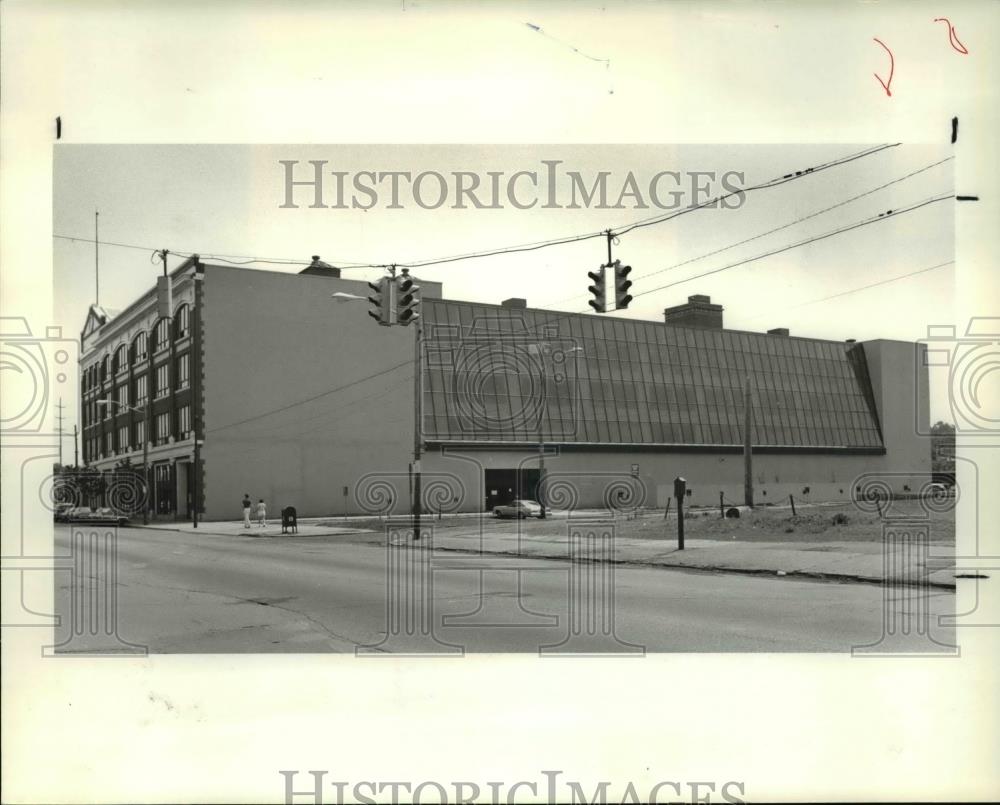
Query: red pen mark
point(892, 67)
point(952, 38)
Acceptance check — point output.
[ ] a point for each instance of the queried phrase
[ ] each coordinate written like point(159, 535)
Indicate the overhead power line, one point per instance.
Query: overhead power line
point(616, 232)
point(874, 219)
point(526, 247)
point(788, 177)
point(816, 214)
point(779, 228)
point(872, 285)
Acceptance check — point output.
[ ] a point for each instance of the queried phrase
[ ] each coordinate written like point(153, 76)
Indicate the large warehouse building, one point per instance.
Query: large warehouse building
point(300, 398)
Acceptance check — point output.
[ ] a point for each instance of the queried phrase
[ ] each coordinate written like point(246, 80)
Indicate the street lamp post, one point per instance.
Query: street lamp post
point(145, 450)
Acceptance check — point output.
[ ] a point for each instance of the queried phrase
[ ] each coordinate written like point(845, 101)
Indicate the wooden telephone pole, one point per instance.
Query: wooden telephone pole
point(747, 449)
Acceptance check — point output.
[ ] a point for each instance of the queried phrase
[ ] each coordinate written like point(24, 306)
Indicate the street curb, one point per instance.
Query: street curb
point(833, 578)
point(209, 533)
point(837, 578)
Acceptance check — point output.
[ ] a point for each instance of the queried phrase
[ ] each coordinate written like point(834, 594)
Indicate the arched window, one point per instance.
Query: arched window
point(139, 348)
point(105, 367)
point(182, 325)
point(161, 339)
point(121, 359)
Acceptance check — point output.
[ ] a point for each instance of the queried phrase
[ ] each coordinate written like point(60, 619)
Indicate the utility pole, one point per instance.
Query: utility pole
point(97, 272)
point(145, 461)
point(195, 392)
point(417, 421)
point(541, 470)
point(76, 447)
point(60, 407)
point(747, 449)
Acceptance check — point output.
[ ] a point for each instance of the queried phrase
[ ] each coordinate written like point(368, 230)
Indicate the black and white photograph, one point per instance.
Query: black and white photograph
point(504, 402)
point(550, 415)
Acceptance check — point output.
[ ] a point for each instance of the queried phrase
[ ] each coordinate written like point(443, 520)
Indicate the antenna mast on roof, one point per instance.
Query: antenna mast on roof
point(97, 273)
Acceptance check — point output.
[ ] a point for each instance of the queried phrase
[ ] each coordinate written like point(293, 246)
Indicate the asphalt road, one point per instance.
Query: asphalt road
point(172, 592)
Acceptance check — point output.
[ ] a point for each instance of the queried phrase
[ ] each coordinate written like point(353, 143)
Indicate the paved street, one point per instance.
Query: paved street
point(184, 592)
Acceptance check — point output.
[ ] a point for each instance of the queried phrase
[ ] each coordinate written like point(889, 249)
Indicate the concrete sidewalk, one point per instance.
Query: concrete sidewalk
point(271, 529)
point(836, 561)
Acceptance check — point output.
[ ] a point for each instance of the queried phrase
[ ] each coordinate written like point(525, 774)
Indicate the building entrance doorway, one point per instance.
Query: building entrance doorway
point(505, 486)
point(184, 488)
point(163, 490)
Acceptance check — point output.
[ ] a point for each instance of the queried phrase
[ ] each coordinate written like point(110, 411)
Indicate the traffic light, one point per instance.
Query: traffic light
point(599, 290)
point(407, 300)
point(383, 310)
point(622, 284)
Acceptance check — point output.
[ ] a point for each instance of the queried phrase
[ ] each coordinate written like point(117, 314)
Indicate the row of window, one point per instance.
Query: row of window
point(138, 351)
point(139, 389)
point(130, 438)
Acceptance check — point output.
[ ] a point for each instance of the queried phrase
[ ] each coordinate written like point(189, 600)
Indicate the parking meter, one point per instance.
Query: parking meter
point(680, 490)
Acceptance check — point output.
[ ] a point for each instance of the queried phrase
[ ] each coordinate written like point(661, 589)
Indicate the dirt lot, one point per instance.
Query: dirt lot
point(819, 523)
point(827, 523)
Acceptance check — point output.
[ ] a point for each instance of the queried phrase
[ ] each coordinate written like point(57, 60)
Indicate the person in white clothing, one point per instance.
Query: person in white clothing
point(261, 513)
point(247, 503)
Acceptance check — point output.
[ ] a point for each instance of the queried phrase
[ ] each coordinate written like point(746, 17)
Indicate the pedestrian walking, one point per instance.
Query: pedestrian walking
point(247, 503)
point(261, 513)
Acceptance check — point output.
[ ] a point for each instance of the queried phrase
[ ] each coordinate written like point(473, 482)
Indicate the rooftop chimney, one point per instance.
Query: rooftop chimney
point(515, 302)
point(698, 312)
point(778, 331)
point(318, 268)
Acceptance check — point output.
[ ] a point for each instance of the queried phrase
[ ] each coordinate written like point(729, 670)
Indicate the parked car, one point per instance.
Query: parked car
point(106, 515)
point(80, 514)
point(84, 514)
point(61, 512)
point(518, 508)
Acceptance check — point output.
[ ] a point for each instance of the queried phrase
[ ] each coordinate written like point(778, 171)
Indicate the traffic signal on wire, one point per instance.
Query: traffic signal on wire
point(383, 304)
point(622, 284)
point(599, 290)
point(407, 299)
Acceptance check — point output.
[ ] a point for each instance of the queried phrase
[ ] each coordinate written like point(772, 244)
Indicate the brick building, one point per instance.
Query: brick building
point(299, 398)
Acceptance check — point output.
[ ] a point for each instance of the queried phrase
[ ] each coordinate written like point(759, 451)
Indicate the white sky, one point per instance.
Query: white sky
point(226, 200)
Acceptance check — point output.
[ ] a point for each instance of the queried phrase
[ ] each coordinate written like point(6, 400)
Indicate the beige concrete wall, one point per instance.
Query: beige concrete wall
point(829, 477)
point(900, 384)
point(273, 340)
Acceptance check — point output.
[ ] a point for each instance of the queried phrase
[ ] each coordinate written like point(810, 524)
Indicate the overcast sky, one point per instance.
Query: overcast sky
point(226, 200)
